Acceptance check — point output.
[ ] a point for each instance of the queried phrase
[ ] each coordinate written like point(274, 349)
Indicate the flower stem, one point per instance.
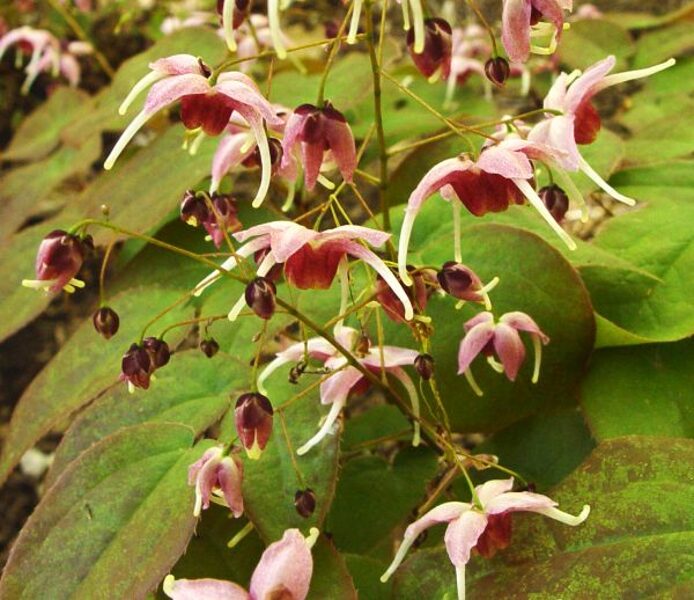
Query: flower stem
point(332, 53)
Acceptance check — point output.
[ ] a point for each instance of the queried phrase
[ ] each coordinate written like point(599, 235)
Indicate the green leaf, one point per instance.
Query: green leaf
point(589, 41)
point(39, 133)
point(83, 368)
point(330, 579)
point(195, 392)
point(113, 524)
point(635, 542)
point(377, 496)
point(534, 278)
point(644, 391)
point(381, 420)
point(366, 573)
point(553, 444)
point(271, 482)
point(659, 45)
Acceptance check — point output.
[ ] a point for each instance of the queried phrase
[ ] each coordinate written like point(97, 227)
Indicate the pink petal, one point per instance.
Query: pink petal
point(483, 317)
point(558, 133)
point(552, 12)
point(517, 501)
point(206, 481)
point(169, 90)
point(472, 344)
point(393, 356)
point(286, 564)
point(509, 348)
point(177, 64)
point(462, 535)
point(515, 29)
point(205, 589)
point(230, 477)
point(438, 176)
point(491, 489)
point(70, 69)
point(312, 158)
point(285, 237)
point(523, 322)
point(373, 237)
point(443, 513)
point(337, 387)
point(341, 142)
point(501, 161)
point(556, 97)
point(228, 155)
point(194, 469)
point(582, 88)
point(292, 130)
point(242, 90)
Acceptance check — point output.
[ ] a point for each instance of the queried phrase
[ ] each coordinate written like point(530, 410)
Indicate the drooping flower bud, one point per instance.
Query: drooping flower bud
point(253, 415)
point(106, 322)
point(556, 201)
point(158, 351)
point(305, 502)
point(224, 217)
point(418, 293)
point(209, 347)
point(253, 160)
point(461, 282)
point(435, 59)
point(497, 70)
point(137, 367)
point(424, 365)
point(260, 297)
point(58, 260)
point(194, 210)
point(215, 473)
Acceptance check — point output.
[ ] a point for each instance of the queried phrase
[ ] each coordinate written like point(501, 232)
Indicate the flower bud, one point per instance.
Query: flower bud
point(194, 210)
point(58, 260)
point(253, 415)
point(260, 297)
point(224, 217)
point(305, 502)
point(424, 365)
point(497, 70)
point(136, 367)
point(106, 322)
point(556, 201)
point(438, 45)
point(418, 294)
point(460, 281)
point(209, 347)
point(158, 351)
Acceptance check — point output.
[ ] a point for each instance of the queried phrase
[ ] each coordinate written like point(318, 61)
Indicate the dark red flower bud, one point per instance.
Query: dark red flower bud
point(158, 351)
point(260, 297)
point(418, 293)
point(556, 201)
point(194, 210)
point(460, 282)
point(305, 502)
point(438, 46)
point(224, 217)
point(331, 28)
point(497, 70)
point(253, 415)
point(209, 347)
point(58, 260)
point(137, 367)
point(424, 365)
point(106, 322)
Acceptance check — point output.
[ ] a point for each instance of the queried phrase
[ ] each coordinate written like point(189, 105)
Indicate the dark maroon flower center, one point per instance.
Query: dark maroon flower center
point(313, 268)
point(587, 123)
point(211, 112)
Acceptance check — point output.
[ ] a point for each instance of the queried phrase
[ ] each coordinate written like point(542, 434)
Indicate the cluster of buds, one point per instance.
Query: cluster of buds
point(217, 214)
point(141, 361)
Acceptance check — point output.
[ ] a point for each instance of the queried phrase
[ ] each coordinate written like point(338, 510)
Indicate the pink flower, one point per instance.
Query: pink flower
point(470, 49)
point(58, 260)
point(471, 526)
point(501, 338)
point(520, 23)
point(249, 44)
point(316, 131)
point(499, 178)
point(580, 122)
point(253, 416)
point(217, 475)
point(435, 60)
point(204, 105)
point(284, 571)
point(310, 258)
point(346, 379)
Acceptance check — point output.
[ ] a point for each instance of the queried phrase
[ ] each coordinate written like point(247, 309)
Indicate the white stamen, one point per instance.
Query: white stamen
point(602, 184)
point(450, 89)
point(289, 202)
point(325, 429)
point(484, 292)
point(404, 378)
point(38, 284)
point(239, 537)
point(131, 389)
point(244, 251)
point(497, 366)
point(574, 194)
point(460, 581)
point(148, 80)
point(405, 16)
point(457, 251)
point(473, 384)
point(312, 537)
point(566, 518)
point(537, 346)
point(343, 275)
point(387, 275)
point(168, 585)
point(539, 205)
point(78, 283)
point(195, 144)
point(611, 80)
point(403, 243)
point(354, 22)
point(275, 364)
point(129, 133)
point(250, 140)
point(237, 308)
point(418, 22)
point(68, 288)
point(273, 16)
point(399, 557)
point(265, 163)
point(228, 24)
point(325, 182)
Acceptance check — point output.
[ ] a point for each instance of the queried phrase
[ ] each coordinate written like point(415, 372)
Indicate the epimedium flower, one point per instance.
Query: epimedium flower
point(232, 13)
point(463, 283)
point(579, 122)
point(521, 21)
point(253, 416)
point(416, 22)
point(58, 260)
point(141, 361)
point(470, 48)
point(483, 526)
point(283, 572)
point(424, 283)
point(217, 474)
point(206, 105)
point(484, 336)
point(435, 60)
point(500, 177)
point(311, 258)
point(345, 378)
point(318, 130)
